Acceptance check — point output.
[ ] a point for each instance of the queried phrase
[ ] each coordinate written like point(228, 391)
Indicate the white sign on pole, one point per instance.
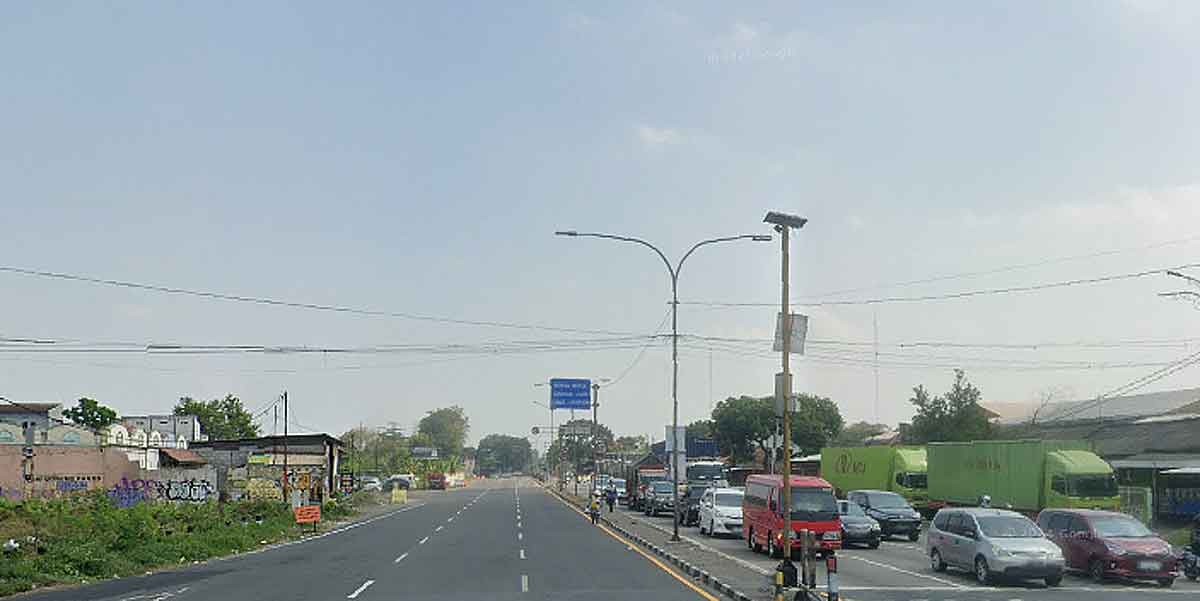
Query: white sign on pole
point(799, 333)
point(680, 435)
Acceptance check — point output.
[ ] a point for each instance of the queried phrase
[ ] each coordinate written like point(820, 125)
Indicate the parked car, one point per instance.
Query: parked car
point(370, 484)
point(721, 511)
point(660, 498)
point(993, 543)
point(857, 526)
point(892, 511)
point(690, 502)
point(1107, 544)
point(814, 508)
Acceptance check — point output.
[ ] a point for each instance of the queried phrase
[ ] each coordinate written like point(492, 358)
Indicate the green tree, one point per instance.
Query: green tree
point(856, 434)
point(742, 423)
point(630, 445)
point(90, 413)
point(577, 451)
point(701, 428)
point(220, 419)
point(502, 453)
point(815, 422)
point(447, 429)
point(953, 417)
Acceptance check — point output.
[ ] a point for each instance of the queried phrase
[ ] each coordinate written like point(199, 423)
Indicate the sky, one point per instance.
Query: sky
point(416, 161)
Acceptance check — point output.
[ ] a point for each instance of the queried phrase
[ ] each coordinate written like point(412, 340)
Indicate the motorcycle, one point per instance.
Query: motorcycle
point(1190, 565)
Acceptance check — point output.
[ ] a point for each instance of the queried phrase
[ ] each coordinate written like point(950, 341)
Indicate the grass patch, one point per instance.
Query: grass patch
point(87, 538)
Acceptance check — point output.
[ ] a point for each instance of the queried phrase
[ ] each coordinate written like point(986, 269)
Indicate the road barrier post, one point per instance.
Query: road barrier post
point(831, 571)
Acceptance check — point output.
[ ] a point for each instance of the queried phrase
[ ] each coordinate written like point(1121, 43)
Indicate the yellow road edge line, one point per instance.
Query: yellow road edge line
point(634, 546)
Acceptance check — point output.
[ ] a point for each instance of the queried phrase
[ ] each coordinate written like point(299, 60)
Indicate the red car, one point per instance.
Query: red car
point(1106, 544)
point(814, 508)
point(437, 481)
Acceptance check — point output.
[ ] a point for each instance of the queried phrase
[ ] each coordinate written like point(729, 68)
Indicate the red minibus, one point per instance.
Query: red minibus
point(814, 508)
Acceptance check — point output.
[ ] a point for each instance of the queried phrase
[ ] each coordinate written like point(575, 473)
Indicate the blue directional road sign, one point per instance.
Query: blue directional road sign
point(570, 393)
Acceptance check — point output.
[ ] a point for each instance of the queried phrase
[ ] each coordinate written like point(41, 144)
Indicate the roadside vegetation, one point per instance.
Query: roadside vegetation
point(82, 539)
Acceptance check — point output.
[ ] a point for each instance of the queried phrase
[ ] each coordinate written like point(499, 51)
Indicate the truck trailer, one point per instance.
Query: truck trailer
point(1025, 475)
point(901, 470)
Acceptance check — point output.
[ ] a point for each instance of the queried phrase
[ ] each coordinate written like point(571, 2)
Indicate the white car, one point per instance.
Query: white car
point(721, 511)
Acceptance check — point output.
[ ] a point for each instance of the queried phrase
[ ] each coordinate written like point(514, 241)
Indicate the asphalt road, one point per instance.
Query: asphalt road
point(494, 540)
point(899, 571)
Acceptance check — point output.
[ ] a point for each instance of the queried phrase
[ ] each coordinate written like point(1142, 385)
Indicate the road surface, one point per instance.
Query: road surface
point(899, 571)
point(498, 539)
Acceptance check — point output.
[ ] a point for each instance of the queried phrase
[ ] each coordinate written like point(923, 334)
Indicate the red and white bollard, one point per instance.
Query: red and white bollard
point(831, 571)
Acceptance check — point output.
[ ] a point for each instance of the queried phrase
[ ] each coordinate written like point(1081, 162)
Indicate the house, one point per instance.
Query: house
point(305, 465)
point(24, 419)
point(174, 430)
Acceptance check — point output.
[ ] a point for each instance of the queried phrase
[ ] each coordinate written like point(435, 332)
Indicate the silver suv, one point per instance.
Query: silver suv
point(992, 543)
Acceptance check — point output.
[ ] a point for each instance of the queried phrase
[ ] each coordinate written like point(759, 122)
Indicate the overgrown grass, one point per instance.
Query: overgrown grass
point(87, 538)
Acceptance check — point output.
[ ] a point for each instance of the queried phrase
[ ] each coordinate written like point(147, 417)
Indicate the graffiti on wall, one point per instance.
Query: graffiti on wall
point(128, 493)
point(266, 482)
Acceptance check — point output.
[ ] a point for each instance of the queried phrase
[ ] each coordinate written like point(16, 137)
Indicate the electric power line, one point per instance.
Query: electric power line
point(293, 304)
point(953, 295)
point(1006, 268)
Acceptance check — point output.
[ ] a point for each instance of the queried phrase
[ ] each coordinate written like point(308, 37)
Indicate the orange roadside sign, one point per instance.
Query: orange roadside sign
point(308, 514)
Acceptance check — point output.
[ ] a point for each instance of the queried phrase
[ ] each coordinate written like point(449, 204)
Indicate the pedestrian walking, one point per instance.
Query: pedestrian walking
point(610, 496)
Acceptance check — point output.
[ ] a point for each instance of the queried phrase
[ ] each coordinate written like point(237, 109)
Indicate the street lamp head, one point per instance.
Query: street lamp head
point(785, 220)
point(566, 233)
point(761, 238)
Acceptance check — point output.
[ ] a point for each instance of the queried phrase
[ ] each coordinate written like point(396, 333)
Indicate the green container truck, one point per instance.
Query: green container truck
point(1028, 475)
point(898, 469)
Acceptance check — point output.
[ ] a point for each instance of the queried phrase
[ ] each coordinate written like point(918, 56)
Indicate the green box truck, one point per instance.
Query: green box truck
point(1028, 475)
point(898, 469)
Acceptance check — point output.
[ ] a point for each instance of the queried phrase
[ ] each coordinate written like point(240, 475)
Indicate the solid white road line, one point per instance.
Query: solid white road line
point(423, 541)
point(524, 583)
point(360, 589)
point(401, 558)
point(880, 564)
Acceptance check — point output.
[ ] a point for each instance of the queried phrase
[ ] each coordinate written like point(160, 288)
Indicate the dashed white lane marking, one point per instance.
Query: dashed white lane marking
point(524, 583)
point(423, 541)
point(401, 558)
point(439, 529)
point(450, 519)
point(522, 553)
point(519, 525)
point(360, 589)
point(520, 536)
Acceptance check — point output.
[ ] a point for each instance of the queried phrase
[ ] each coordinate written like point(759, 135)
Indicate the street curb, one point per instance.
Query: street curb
point(683, 565)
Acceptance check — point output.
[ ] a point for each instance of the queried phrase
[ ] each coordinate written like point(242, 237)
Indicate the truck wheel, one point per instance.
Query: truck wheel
point(983, 574)
point(1054, 580)
point(1166, 582)
point(935, 561)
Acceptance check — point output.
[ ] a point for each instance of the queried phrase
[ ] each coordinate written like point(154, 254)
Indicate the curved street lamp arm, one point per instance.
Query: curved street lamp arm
point(679, 266)
point(660, 254)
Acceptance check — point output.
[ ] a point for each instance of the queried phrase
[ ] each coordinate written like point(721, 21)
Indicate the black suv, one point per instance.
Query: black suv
point(892, 511)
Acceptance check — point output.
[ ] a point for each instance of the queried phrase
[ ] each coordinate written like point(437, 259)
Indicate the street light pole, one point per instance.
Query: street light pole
point(673, 271)
point(784, 224)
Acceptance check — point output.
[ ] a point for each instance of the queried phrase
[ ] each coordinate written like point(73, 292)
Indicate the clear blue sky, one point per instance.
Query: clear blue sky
point(419, 159)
